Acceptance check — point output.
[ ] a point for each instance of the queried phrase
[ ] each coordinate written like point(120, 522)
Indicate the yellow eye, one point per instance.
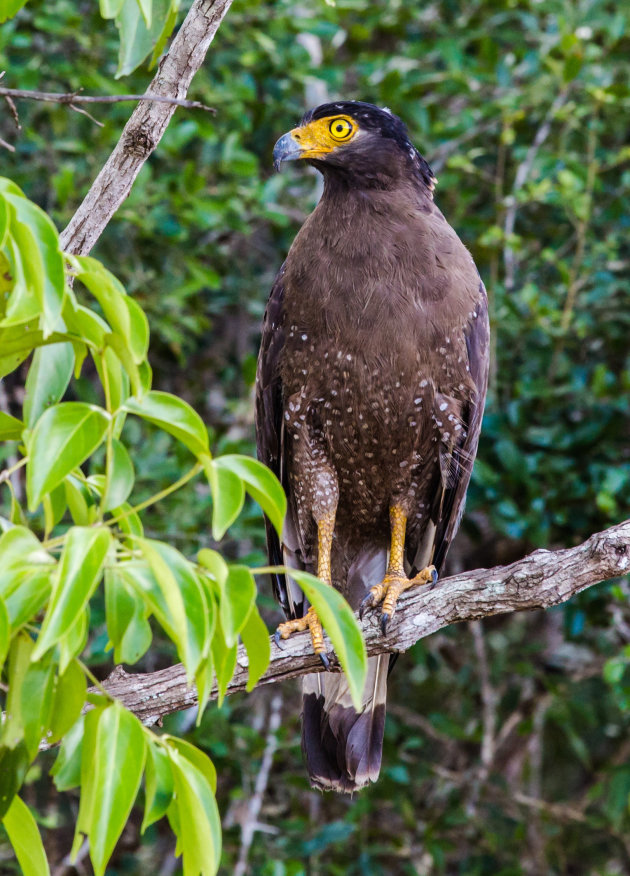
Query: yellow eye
point(341, 129)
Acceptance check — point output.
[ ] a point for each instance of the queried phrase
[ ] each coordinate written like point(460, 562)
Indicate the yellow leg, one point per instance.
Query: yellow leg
point(310, 621)
point(395, 581)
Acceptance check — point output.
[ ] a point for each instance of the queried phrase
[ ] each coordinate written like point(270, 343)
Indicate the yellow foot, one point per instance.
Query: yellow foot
point(393, 584)
point(311, 622)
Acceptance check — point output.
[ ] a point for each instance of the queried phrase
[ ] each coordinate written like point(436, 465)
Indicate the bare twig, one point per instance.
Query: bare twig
point(522, 174)
point(146, 125)
point(540, 580)
point(73, 98)
point(250, 821)
point(6, 145)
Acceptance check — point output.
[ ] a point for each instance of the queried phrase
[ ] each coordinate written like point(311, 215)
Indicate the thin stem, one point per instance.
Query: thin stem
point(194, 471)
point(74, 97)
point(53, 543)
point(94, 679)
point(7, 472)
point(109, 450)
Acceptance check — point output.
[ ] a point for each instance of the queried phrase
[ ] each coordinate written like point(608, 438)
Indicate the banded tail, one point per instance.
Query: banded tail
point(342, 747)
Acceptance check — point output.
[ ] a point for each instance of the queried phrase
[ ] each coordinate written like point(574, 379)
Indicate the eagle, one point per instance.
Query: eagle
point(370, 390)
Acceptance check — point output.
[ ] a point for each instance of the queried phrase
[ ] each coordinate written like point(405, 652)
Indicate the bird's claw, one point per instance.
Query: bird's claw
point(368, 602)
point(278, 640)
point(434, 577)
point(385, 618)
point(325, 661)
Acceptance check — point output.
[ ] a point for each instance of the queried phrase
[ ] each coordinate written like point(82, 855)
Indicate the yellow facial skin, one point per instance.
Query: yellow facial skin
point(320, 137)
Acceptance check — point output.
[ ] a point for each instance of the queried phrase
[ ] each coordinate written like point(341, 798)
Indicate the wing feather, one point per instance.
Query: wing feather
point(456, 463)
point(270, 444)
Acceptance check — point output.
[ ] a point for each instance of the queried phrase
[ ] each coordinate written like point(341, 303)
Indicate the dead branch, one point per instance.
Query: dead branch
point(75, 97)
point(540, 580)
point(147, 124)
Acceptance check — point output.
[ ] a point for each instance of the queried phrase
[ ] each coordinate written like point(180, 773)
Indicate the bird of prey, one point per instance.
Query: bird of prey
point(371, 384)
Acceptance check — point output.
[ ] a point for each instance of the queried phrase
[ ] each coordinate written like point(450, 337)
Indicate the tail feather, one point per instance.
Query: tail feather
point(343, 747)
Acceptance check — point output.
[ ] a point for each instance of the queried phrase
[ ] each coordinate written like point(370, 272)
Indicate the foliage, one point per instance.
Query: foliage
point(197, 245)
point(92, 534)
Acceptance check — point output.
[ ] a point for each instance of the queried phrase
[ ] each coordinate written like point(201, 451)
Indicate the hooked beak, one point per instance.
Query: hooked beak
point(286, 149)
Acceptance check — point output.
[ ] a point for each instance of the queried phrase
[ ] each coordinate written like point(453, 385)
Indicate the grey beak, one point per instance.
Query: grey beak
point(286, 149)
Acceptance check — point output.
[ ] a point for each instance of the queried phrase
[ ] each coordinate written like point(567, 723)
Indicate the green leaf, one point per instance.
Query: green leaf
point(126, 613)
point(9, 8)
point(130, 522)
point(45, 277)
point(261, 484)
point(62, 439)
point(74, 641)
point(121, 477)
point(69, 698)
point(66, 769)
point(112, 374)
point(55, 505)
point(197, 821)
point(78, 575)
point(124, 315)
point(159, 784)
point(85, 324)
point(146, 8)
point(185, 604)
point(339, 621)
point(24, 574)
point(29, 595)
point(224, 659)
point(110, 8)
point(10, 428)
point(36, 695)
point(19, 664)
point(196, 757)
point(136, 39)
point(173, 415)
point(4, 207)
point(25, 838)
point(12, 361)
point(5, 633)
point(204, 682)
point(48, 378)
point(19, 549)
point(255, 636)
point(113, 761)
point(169, 23)
point(14, 763)
point(78, 500)
point(228, 496)
point(237, 600)
point(216, 565)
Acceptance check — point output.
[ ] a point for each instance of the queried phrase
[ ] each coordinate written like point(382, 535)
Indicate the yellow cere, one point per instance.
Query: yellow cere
point(323, 135)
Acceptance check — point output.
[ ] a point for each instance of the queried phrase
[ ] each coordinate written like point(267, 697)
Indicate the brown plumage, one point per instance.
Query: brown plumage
point(370, 391)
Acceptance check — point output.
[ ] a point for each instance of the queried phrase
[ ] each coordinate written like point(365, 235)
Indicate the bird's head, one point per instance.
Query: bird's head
point(355, 142)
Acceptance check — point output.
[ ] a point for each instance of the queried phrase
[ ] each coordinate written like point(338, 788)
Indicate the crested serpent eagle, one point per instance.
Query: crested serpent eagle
point(370, 391)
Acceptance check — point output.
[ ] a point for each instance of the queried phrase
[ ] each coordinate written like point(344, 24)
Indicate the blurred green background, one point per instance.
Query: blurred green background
point(507, 747)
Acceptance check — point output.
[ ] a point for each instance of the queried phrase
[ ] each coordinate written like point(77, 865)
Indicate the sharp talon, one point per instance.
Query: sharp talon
point(277, 639)
point(367, 602)
point(325, 661)
point(384, 621)
point(434, 577)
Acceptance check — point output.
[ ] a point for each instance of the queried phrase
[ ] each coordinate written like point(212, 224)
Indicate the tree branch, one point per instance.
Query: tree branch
point(540, 580)
point(146, 126)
